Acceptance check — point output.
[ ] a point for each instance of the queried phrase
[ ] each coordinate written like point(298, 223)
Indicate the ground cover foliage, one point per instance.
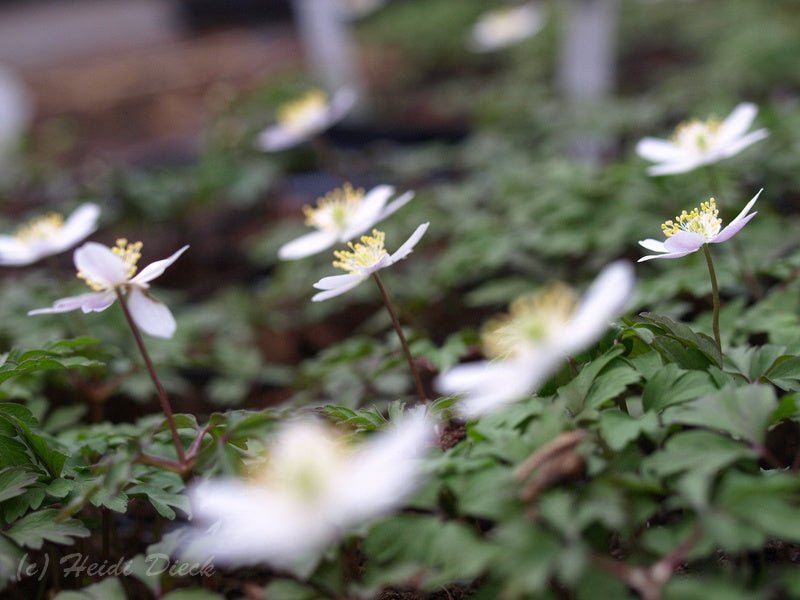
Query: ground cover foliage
point(650, 465)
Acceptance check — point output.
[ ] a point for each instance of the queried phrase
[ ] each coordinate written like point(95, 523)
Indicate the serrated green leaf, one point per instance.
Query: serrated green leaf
point(34, 529)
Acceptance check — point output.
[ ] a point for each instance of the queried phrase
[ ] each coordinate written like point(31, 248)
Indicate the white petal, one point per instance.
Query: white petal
point(743, 213)
point(90, 302)
point(335, 281)
point(665, 255)
point(342, 102)
point(152, 317)
point(742, 143)
point(278, 137)
point(656, 150)
point(100, 264)
point(333, 292)
point(409, 244)
point(156, 269)
point(80, 224)
point(13, 253)
point(684, 241)
point(737, 123)
point(396, 204)
point(368, 213)
point(673, 168)
point(603, 301)
point(306, 245)
point(652, 245)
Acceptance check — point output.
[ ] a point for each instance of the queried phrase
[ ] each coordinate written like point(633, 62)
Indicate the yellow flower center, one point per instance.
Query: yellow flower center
point(130, 255)
point(40, 228)
point(697, 134)
point(334, 210)
point(704, 220)
point(362, 255)
point(531, 319)
point(295, 114)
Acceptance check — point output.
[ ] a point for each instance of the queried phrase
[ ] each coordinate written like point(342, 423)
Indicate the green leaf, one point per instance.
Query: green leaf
point(684, 334)
point(14, 481)
point(672, 385)
point(34, 529)
point(619, 428)
point(196, 594)
point(741, 412)
point(107, 589)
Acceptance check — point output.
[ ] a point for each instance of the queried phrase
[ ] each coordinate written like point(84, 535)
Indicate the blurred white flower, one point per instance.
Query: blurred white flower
point(689, 231)
point(362, 260)
point(342, 215)
point(107, 270)
point(47, 235)
point(527, 344)
point(301, 119)
point(312, 489)
point(16, 109)
point(698, 143)
point(502, 27)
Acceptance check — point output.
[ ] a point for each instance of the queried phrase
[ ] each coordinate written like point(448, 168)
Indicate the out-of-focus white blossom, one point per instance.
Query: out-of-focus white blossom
point(312, 489)
point(502, 27)
point(48, 235)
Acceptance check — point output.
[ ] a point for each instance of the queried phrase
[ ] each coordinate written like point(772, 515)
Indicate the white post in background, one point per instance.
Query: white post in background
point(586, 67)
point(329, 45)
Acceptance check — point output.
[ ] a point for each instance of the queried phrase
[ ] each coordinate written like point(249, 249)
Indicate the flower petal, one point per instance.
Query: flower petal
point(368, 213)
point(306, 245)
point(151, 316)
point(156, 269)
point(684, 241)
point(602, 302)
point(342, 102)
point(737, 123)
point(338, 291)
point(408, 245)
point(396, 204)
point(742, 143)
point(98, 263)
point(656, 150)
point(665, 255)
point(732, 229)
point(80, 224)
point(652, 245)
point(90, 302)
point(13, 253)
point(673, 168)
point(335, 281)
point(278, 137)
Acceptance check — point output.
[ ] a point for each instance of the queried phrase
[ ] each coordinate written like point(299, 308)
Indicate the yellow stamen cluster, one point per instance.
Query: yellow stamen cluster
point(40, 228)
point(362, 255)
point(130, 253)
point(696, 133)
point(703, 220)
point(334, 209)
point(531, 319)
point(296, 112)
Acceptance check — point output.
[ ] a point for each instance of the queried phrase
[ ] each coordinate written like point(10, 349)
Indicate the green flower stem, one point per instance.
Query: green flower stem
point(160, 391)
point(403, 342)
point(714, 296)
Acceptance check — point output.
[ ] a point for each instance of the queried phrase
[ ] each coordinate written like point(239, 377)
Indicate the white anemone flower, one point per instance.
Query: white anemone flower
point(540, 330)
point(48, 235)
point(341, 215)
point(312, 489)
point(301, 119)
point(691, 230)
point(362, 260)
point(108, 270)
point(698, 143)
point(503, 27)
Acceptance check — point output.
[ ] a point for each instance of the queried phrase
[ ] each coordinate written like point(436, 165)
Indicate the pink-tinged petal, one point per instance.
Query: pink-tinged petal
point(368, 213)
point(603, 301)
point(306, 245)
point(737, 123)
point(150, 315)
point(79, 225)
point(674, 168)
point(342, 103)
point(743, 213)
point(652, 245)
point(100, 264)
point(90, 302)
point(666, 255)
point(335, 281)
point(408, 246)
point(684, 241)
point(333, 292)
point(156, 269)
point(732, 229)
point(656, 150)
point(742, 143)
point(278, 137)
